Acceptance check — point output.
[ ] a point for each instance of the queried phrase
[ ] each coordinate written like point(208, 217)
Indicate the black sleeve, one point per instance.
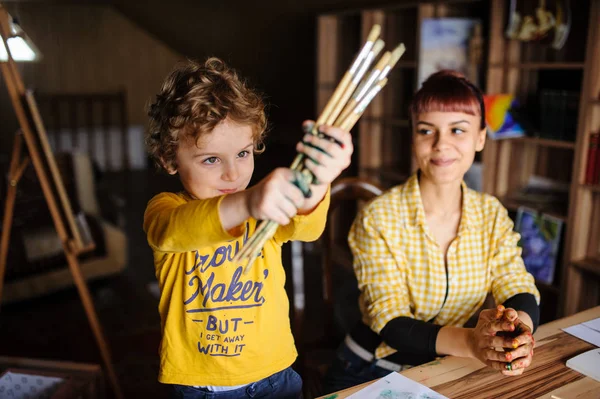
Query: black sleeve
point(525, 303)
point(411, 336)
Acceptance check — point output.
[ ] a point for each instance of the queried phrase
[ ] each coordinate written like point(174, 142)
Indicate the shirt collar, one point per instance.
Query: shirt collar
point(414, 201)
point(470, 211)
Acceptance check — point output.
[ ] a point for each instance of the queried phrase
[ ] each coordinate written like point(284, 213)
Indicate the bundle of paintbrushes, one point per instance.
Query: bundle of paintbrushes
point(359, 85)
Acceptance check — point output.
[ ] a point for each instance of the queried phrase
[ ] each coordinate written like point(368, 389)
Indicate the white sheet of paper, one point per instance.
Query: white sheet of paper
point(28, 386)
point(585, 333)
point(587, 363)
point(593, 324)
point(396, 386)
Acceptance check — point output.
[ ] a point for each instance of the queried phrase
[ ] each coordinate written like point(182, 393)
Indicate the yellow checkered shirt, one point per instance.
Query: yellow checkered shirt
point(400, 267)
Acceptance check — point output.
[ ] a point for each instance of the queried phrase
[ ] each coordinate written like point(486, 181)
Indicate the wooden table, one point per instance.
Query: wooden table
point(548, 376)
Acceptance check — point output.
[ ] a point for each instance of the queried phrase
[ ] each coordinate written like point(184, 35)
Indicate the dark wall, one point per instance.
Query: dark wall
point(272, 43)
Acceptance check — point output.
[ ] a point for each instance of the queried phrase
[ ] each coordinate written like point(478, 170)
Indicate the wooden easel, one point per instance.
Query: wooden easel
point(33, 132)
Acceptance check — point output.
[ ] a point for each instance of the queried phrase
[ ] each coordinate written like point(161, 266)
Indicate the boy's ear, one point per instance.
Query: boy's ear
point(481, 139)
point(169, 168)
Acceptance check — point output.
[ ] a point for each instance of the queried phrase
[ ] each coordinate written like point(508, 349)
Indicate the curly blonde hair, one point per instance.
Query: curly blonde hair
point(194, 99)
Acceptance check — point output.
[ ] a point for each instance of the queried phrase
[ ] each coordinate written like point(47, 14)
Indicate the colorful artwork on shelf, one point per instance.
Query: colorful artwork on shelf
point(540, 240)
point(445, 45)
point(501, 124)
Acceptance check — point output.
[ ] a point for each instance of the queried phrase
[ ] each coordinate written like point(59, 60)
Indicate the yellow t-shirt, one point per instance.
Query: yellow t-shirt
point(219, 326)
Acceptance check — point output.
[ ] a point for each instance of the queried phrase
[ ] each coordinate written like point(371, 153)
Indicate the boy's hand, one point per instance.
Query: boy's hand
point(275, 197)
point(326, 158)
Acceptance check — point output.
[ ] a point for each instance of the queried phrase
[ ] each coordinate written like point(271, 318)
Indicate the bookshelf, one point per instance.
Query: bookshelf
point(382, 136)
point(528, 70)
point(542, 65)
point(546, 142)
point(595, 188)
point(522, 69)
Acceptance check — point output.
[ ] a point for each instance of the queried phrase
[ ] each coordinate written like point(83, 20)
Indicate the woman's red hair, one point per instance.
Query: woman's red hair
point(448, 91)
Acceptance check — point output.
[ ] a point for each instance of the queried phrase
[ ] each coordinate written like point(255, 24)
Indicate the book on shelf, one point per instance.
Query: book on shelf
point(558, 114)
point(592, 169)
point(543, 194)
point(540, 241)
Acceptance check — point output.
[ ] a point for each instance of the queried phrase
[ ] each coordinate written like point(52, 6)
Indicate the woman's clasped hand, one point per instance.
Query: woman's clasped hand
point(502, 341)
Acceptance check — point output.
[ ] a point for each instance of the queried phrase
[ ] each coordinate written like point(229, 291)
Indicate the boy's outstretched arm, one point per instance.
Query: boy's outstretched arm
point(327, 158)
point(174, 224)
point(274, 198)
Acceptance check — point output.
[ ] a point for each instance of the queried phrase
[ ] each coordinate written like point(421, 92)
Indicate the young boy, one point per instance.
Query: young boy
point(227, 334)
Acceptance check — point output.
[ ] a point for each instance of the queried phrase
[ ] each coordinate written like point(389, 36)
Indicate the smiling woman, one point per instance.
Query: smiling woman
point(428, 252)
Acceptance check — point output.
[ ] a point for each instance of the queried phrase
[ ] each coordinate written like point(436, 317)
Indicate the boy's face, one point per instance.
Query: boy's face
point(222, 162)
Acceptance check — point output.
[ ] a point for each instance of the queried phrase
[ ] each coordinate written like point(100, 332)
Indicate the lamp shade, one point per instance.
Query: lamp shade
point(21, 47)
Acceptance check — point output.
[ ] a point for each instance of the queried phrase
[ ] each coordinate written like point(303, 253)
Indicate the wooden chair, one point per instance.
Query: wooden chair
point(315, 355)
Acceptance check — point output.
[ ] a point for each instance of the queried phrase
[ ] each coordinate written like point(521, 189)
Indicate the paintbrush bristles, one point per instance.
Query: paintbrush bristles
point(396, 54)
point(343, 84)
point(374, 33)
point(347, 78)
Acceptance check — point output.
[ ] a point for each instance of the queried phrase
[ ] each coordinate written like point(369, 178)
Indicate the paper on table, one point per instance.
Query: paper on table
point(27, 386)
point(587, 363)
point(588, 331)
point(593, 324)
point(396, 386)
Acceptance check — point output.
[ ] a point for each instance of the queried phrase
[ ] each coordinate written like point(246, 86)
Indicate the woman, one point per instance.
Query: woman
point(427, 253)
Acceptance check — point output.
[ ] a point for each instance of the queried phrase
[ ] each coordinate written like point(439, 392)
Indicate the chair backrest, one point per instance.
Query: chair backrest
point(316, 345)
point(346, 190)
point(351, 191)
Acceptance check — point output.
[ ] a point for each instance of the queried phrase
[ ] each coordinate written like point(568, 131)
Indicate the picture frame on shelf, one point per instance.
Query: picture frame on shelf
point(501, 123)
point(445, 45)
point(540, 242)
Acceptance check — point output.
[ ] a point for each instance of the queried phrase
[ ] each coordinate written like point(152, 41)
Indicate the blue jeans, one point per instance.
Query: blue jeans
point(348, 370)
point(285, 384)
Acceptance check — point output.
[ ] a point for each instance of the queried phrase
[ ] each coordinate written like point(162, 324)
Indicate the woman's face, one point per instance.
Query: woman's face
point(444, 144)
